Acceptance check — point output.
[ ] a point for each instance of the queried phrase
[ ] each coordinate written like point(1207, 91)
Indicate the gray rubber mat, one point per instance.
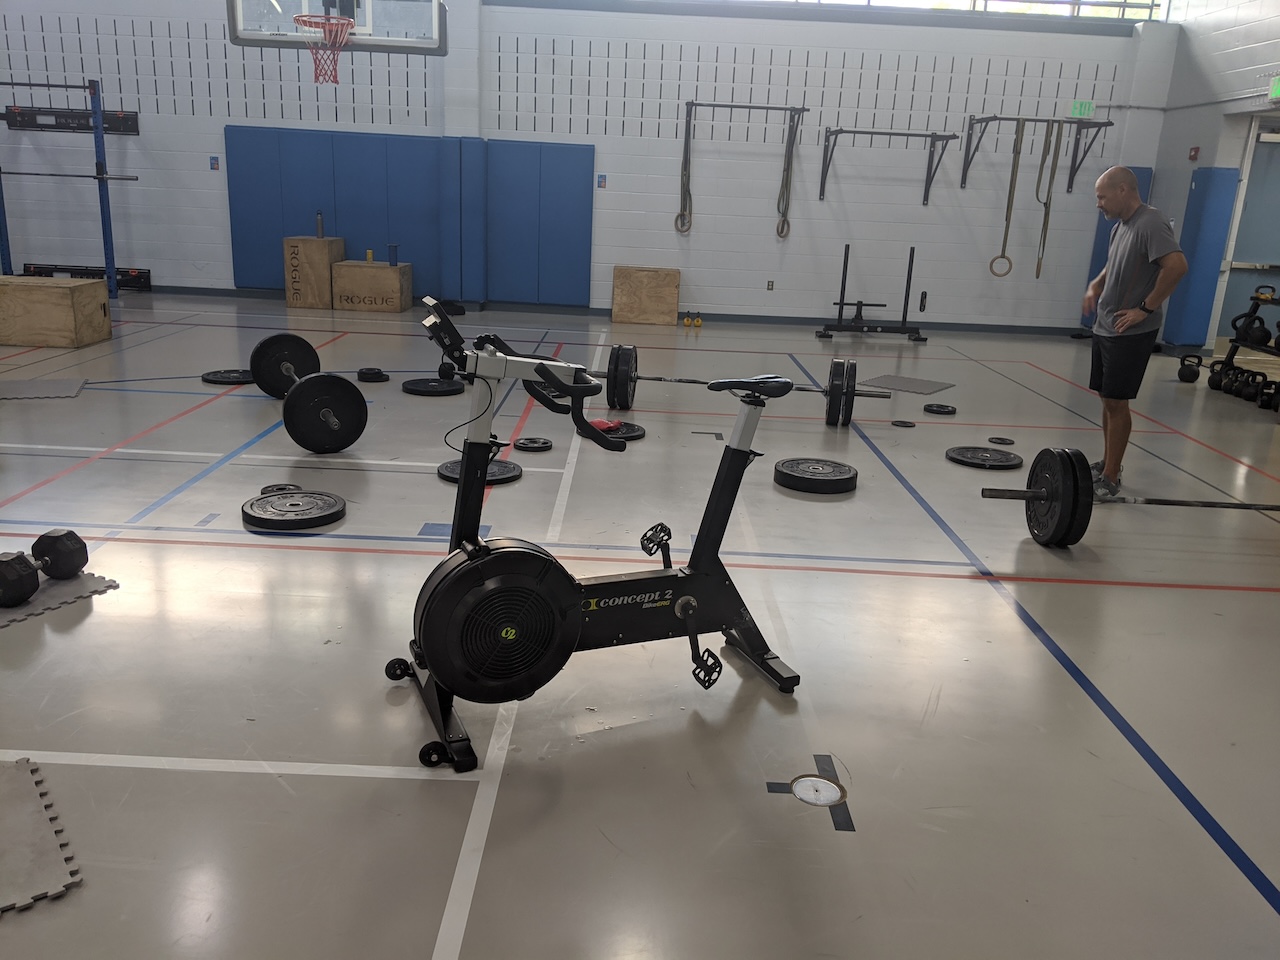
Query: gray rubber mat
point(57, 593)
point(39, 389)
point(35, 863)
point(907, 384)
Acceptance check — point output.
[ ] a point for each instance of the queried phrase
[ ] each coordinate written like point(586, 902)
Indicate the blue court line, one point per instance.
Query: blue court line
point(146, 511)
point(1235, 853)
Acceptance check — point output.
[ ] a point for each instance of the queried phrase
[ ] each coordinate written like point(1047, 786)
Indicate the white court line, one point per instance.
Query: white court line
point(199, 765)
point(453, 925)
point(571, 462)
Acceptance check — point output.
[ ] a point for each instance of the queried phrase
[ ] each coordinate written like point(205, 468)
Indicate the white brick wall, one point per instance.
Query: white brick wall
point(618, 81)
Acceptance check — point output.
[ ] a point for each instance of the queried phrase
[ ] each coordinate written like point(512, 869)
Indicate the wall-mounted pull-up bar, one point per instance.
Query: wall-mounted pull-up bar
point(832, 135)
point(100, 174)
point(971, 144)
point(684, 219)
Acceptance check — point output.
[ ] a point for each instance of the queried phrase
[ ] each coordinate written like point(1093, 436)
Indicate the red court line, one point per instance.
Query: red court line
point(20, 353)
point(293, 544)
point(137, 436)
point(1175, 430)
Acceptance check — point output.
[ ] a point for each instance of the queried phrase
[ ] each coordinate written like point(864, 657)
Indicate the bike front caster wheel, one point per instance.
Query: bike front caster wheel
point(397, 669)
point(433, 754)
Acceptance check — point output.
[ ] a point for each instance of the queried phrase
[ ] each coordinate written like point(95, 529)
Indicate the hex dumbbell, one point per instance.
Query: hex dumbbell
point(322, 411)
point(60, 554)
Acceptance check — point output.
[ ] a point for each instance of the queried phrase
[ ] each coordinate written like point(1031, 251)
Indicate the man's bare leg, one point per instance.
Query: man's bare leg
point(1117, 424)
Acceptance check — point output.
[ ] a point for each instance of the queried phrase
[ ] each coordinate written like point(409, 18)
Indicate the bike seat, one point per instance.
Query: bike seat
point(765, 385)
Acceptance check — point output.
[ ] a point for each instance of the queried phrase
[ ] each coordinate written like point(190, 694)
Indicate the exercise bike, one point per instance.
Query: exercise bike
point(497, 619)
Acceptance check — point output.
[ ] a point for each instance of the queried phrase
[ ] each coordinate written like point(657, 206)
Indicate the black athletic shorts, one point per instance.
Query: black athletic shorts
point(1119, 364)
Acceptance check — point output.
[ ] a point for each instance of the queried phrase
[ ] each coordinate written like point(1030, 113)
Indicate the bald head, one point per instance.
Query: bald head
point(1117, 193)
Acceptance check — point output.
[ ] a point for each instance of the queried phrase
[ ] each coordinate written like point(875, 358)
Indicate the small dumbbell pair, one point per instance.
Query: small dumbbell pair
point(60, 554)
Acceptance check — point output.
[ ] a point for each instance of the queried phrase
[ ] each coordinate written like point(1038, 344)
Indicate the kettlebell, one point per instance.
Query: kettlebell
point(1215, 375)
point(1249, 389)
point(1264, 291)
point(1189, 367)
point(1257, 333)
point(1265, 394)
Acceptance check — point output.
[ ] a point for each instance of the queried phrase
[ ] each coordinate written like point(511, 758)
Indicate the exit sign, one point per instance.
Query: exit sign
point(1082, 108)
point(1274, 96)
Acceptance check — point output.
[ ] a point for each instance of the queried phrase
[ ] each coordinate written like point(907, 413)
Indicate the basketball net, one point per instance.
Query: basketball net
point(326, 42)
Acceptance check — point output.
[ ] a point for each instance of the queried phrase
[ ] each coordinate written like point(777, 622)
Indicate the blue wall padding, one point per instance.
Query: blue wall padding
point(473, 217)
point(1102, 233)
point(478, 220)
point(565, 198)
point(306, 162)
point(413, 213)
point(1205, 227)
point(360, 190)
point(514, 197)
point(253, 185)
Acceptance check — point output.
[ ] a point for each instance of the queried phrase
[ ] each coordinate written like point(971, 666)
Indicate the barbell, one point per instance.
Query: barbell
point(1059, 498)
point(323, 412)
point(624, 371)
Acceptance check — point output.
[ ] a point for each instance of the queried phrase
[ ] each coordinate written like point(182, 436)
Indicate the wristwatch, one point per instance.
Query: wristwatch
point(1142, 305)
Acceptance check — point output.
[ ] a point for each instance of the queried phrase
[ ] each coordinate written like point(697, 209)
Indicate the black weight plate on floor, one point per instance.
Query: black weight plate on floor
point(293, 510)
point(941, 409)
point(279, 488)
point(1083, 504)
point(850, 385)
point(227, 378)
point(499, 471)
point(533, 444)
point(1052, 474)
point(628, 431)
point(1003, 441)
point(835, 391)
point(372, 375)
point(611, 378)
point(272, 353)
point(986, 457)
point(903, 423)
point(815, 476)
point(430, 387)
point(625, 373)
point(325, 413)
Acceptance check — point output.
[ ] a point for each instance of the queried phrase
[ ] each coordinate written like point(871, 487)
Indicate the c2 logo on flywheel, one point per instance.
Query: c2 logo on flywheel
point(508, 633)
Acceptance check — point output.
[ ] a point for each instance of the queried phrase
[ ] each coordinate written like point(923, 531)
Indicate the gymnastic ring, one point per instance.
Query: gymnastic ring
point(994, 271)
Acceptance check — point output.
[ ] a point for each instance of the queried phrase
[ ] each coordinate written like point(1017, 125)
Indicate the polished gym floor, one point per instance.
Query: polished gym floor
point(1046, 753)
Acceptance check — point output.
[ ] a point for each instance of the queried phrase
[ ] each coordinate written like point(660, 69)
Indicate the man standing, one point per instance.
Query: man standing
point(1144, 264)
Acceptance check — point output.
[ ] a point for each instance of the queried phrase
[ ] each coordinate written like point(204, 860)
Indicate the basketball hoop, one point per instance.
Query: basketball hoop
point(325, 45)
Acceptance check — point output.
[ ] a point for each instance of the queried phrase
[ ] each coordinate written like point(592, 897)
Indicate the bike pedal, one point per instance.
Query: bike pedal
point(708, 671)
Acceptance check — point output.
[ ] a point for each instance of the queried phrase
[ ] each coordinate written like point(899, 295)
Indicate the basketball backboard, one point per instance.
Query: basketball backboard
point(382, 26)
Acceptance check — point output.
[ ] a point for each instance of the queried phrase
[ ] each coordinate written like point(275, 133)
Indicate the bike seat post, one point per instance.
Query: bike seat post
point(744, 428)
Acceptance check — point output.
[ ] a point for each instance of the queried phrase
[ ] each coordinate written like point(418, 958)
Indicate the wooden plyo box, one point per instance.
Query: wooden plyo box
point(53, 312)
point(646, 295)
point(360, 285)
point(308, 263)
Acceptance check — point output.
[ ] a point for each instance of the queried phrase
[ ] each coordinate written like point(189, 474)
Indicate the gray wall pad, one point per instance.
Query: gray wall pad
point(35, 863)
point(892, 381)
point(57, 593)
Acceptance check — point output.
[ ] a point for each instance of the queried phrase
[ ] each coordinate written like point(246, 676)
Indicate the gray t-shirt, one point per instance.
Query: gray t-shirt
point(1136, 244)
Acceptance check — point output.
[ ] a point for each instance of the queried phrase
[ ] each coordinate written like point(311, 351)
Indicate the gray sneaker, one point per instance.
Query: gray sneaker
point(1095, 469)
point(1104, 490)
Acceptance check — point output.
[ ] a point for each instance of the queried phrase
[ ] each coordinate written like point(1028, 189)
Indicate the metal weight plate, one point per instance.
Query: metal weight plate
point(325, 413)
point(430, 387)
point(986, 457)
point(499, 471)
point(850, 388)
point(1002, 441)
point(903, 423)
point(269, 356)
point(533, 444)
point(279, 488)
point(372, 375)
point(226, 378)
point(624, 375)
point(815, 476)
point(835, 391)
point(624, 431)
point(611, 378)
point(1083, 499)
point(941, 409)
point(293, 510)
point(1051, 473)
